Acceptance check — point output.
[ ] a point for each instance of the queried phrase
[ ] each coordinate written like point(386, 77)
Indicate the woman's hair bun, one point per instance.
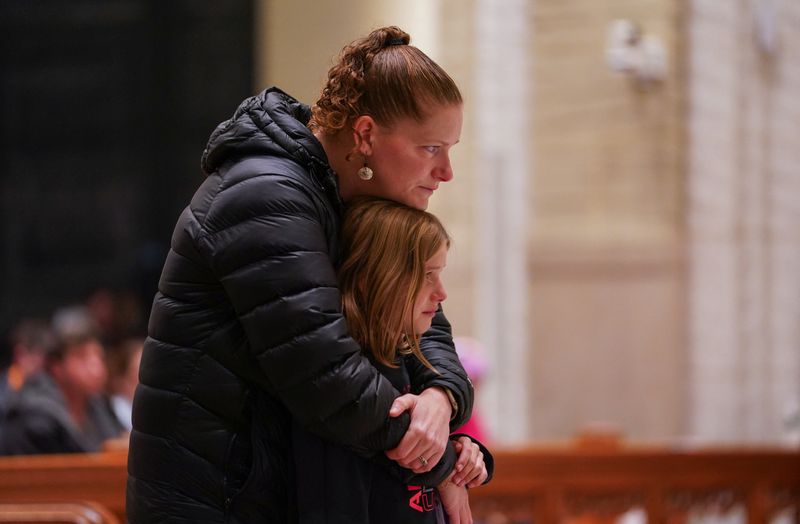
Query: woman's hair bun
point(393, 39)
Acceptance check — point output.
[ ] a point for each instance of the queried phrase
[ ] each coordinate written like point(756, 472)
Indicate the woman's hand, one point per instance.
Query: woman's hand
point(424, 443)
point(470, 469)
point(455, 501)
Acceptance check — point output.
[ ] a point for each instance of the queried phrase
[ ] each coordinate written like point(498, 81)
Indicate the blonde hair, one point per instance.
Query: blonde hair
point(382, 76)
point(386, 246)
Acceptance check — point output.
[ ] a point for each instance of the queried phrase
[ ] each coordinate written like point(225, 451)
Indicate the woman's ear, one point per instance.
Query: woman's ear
point(364, 129)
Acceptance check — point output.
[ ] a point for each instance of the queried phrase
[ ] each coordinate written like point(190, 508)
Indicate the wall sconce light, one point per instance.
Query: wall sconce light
point(766, 26)
point(643, 57)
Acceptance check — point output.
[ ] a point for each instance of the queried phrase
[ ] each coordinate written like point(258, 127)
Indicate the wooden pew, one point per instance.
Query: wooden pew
point(55, 513)
point(575, 484)
point(96, 477)
point(560, 483)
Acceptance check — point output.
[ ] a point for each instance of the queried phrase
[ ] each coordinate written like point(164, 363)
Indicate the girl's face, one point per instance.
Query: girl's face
point(411, 159)
point(431, 294)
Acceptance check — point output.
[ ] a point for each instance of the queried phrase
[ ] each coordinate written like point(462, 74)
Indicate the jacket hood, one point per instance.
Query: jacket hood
point(269, 123)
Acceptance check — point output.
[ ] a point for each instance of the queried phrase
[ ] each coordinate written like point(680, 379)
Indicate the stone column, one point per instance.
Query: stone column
point(502, 170)
point(744, 218)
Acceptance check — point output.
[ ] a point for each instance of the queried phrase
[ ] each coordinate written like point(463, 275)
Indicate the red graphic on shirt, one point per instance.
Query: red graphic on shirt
point(422, 500)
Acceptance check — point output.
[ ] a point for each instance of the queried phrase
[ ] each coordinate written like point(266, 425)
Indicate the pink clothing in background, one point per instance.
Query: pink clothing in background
point(473, 357)
point(473, 428)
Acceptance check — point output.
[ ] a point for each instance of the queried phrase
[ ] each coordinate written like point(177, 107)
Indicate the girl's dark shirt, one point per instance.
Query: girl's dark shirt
point(334, 485)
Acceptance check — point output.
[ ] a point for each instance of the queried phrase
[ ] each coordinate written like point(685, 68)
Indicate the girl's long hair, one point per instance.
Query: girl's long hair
point(386, 246)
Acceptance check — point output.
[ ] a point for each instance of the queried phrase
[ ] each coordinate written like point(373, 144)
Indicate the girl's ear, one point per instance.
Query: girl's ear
point(363, 134)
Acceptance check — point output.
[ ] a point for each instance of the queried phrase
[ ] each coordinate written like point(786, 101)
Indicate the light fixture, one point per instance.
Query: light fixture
point(629, 51)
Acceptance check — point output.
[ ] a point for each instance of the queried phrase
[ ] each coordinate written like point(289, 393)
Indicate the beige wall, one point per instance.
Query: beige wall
point(604, 205)
point(607, 150)
point(605, 243)
point(744, 240)
point(298, 41)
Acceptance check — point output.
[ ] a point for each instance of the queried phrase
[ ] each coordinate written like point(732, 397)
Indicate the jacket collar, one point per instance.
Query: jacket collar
point(271, 122)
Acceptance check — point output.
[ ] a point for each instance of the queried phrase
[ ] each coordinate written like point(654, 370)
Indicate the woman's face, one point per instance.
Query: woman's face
point(410, 159)
point(431, 294)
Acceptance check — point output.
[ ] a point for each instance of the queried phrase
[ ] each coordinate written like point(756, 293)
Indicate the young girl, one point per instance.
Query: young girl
point(390, 280)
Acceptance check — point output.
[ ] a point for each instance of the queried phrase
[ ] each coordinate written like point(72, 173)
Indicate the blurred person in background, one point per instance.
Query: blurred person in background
point(115, 314)
point(122, 361)
point(473, 356)
point(74, 320)
point(29, 342)
point(246, 333)
point(60, 409)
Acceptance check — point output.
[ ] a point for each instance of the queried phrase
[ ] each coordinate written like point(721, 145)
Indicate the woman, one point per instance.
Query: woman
point(247, 325)
point(391, 287)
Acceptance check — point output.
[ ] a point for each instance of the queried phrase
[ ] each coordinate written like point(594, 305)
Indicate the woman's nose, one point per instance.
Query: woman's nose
point(445, 171)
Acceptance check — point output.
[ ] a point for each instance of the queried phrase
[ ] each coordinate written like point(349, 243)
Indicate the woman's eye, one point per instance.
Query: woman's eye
point(432, 149)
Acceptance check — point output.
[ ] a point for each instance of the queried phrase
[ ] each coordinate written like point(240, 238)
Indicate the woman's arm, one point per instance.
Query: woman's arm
point(474, 467)
point(444, 401)
point(466, 462)
point(264, 240)
point(437, 346)
point(436, 475)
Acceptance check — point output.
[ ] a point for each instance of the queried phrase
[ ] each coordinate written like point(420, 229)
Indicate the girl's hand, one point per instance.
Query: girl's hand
point(455, 501)
point(470, 470)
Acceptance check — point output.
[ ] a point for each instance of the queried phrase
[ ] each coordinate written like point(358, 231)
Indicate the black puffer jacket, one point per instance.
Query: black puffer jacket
point(246, 332)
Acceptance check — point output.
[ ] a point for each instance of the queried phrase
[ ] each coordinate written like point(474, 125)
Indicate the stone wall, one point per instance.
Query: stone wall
point(627, 252)
point(744, 218)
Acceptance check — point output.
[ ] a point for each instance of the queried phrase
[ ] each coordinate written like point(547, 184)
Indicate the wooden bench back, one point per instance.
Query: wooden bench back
point(56, 513)
point(96, 477)
point(542, 484)
point(573, 484)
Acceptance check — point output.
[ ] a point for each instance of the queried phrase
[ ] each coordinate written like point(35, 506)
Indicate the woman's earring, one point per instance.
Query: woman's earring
point(365, 173)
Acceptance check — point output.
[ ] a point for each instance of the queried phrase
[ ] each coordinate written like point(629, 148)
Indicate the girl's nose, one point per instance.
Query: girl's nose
point(440, 293)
